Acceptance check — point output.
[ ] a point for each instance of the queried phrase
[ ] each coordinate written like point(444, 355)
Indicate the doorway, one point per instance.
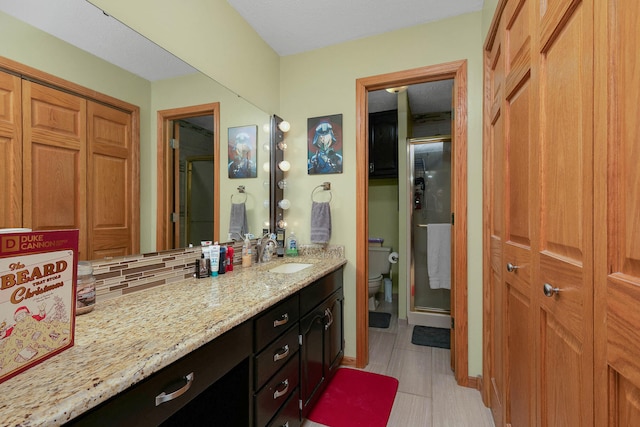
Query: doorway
point(454, 70)
point(178, 217)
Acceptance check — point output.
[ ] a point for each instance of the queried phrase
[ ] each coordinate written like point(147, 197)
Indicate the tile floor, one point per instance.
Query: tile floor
point(428, 395)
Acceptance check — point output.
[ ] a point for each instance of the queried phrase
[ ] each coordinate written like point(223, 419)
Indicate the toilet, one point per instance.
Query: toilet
point(378, 266)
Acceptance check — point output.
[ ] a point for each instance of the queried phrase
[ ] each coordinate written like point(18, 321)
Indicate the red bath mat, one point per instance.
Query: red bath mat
point(356, 398)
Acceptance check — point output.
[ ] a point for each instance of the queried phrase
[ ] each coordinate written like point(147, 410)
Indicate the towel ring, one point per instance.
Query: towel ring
point(326, 186)
point(240, 193)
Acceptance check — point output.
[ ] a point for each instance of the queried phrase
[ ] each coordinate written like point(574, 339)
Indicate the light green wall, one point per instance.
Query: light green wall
point(383, 217)
point(322, 82)
point(199, 89)
point(212, 37)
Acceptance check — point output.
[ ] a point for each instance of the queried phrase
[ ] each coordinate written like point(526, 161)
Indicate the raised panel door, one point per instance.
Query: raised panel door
point(54, 155)
point(564, 287)
point(10, 151)
point(617, 215)
point(112, 183)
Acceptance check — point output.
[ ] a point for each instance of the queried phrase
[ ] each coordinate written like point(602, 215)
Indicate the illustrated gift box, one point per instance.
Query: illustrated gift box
point(37, 297)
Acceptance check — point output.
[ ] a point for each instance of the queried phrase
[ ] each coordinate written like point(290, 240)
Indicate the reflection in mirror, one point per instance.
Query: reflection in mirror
point(25, 44)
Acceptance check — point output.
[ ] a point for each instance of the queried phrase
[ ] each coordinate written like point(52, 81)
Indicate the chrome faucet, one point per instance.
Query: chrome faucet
point(263, 249)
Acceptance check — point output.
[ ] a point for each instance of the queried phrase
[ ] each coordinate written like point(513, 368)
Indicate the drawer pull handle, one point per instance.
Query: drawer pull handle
point(328, 314)
point(283, 321)
point(163, 397)
point(278, 393)
point(281, 354)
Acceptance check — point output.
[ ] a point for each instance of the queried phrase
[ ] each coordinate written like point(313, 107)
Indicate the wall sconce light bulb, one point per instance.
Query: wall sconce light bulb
point(265, 166)
point(284, 166)
point(284, 126)
point(284, 204)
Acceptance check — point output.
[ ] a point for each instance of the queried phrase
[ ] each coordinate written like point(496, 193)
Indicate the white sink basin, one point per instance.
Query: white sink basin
point(292, 267)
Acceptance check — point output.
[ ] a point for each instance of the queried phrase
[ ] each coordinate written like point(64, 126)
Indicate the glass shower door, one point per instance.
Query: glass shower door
point(430, 293)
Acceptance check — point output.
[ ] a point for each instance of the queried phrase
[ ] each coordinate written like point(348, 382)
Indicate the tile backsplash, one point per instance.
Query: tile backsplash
point(124, 275)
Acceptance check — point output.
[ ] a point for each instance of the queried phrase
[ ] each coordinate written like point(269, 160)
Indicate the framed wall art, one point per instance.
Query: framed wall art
point(242, 142)
point(324, 145)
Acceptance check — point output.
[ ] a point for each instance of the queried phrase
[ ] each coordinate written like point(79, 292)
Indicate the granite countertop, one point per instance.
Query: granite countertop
point(126, 339)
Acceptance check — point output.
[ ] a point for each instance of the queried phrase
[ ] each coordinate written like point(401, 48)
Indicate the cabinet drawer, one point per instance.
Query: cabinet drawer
point(275, 356)
point(276, 392)
point(289, 415)
point(317, 292)
point(137, 405)
point(275, 321)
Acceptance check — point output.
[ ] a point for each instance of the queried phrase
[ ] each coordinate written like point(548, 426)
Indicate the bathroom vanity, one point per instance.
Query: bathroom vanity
point(240, 349)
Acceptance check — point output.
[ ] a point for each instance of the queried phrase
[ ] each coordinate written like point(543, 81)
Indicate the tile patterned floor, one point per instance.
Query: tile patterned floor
point(428, 395)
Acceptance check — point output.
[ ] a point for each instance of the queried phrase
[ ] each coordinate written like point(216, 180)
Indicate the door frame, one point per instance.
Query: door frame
point(456, 70)
point(164, 227)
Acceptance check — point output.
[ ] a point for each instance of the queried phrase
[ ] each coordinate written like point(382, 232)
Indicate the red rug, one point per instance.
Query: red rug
point(356, 398)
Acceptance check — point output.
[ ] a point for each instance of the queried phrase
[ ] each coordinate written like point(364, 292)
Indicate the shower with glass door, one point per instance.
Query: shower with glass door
point(429, 296)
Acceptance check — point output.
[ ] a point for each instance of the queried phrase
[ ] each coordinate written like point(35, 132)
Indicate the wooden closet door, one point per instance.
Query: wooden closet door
point(565, 137)
point(111, 183)
point(10, 151)
point(617, 216)
point(521, 195)
point(493, 153)
point(54, 150)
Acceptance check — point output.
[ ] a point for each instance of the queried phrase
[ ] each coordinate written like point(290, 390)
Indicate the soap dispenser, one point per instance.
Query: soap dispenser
point(292, 245)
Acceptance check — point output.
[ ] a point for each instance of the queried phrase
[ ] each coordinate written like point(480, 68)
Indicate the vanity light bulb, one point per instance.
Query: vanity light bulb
point(284, 166)
point(282, 145)
point(266, 147)
point(282, 224)
point(266, 204)
point(284, 204)
point(284, 126)
point(266, 128)
point(282, 184)
point(265, 166)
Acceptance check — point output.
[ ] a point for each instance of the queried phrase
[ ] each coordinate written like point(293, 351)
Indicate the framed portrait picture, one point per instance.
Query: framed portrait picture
point(324, 145)
point(242, 151)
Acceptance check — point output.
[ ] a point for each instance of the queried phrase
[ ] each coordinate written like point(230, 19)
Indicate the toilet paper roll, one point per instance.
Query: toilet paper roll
point(393, 257)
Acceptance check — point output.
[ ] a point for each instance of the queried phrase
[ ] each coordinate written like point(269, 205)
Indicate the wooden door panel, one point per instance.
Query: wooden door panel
point(10, 151)
point(563, 377)
point(111, 203)
point(55, 204)
point(565, 350)
point(518, 32)
point(625, 402)
point(54, 145)
point(520, 357)
point(497, 359)
point(518, 180)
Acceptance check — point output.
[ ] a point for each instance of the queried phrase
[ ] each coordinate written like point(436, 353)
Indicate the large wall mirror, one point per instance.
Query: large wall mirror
point(25, 37)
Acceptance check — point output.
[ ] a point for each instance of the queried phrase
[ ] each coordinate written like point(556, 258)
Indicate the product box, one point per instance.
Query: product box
point(37, 297)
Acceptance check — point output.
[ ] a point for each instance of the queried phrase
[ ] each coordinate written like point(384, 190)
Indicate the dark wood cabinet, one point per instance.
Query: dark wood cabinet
point(383, 144)
point(268, 371)
point(209, 386)
point(322, 337)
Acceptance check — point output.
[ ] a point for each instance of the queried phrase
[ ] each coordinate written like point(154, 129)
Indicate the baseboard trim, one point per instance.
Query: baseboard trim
point(475, 382)
point(348, 361)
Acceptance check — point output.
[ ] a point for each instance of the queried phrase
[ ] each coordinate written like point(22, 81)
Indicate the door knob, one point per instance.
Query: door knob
point(549, 290)
point(511, 268)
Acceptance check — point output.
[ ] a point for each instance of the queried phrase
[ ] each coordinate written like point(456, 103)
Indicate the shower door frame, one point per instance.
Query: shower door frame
point(425, 317)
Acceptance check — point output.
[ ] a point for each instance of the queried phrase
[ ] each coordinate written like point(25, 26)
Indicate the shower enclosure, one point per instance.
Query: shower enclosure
point(429, 296)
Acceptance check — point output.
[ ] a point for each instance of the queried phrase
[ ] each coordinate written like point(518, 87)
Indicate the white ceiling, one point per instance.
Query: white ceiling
point(295, 26)
point(288, 26)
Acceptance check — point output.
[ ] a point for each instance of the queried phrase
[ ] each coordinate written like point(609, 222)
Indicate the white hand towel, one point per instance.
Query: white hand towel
point(238, 220)
point(439, 255)
point(320, 222)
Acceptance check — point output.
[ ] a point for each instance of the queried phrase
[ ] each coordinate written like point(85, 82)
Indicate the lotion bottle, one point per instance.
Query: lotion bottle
point(246, 252)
